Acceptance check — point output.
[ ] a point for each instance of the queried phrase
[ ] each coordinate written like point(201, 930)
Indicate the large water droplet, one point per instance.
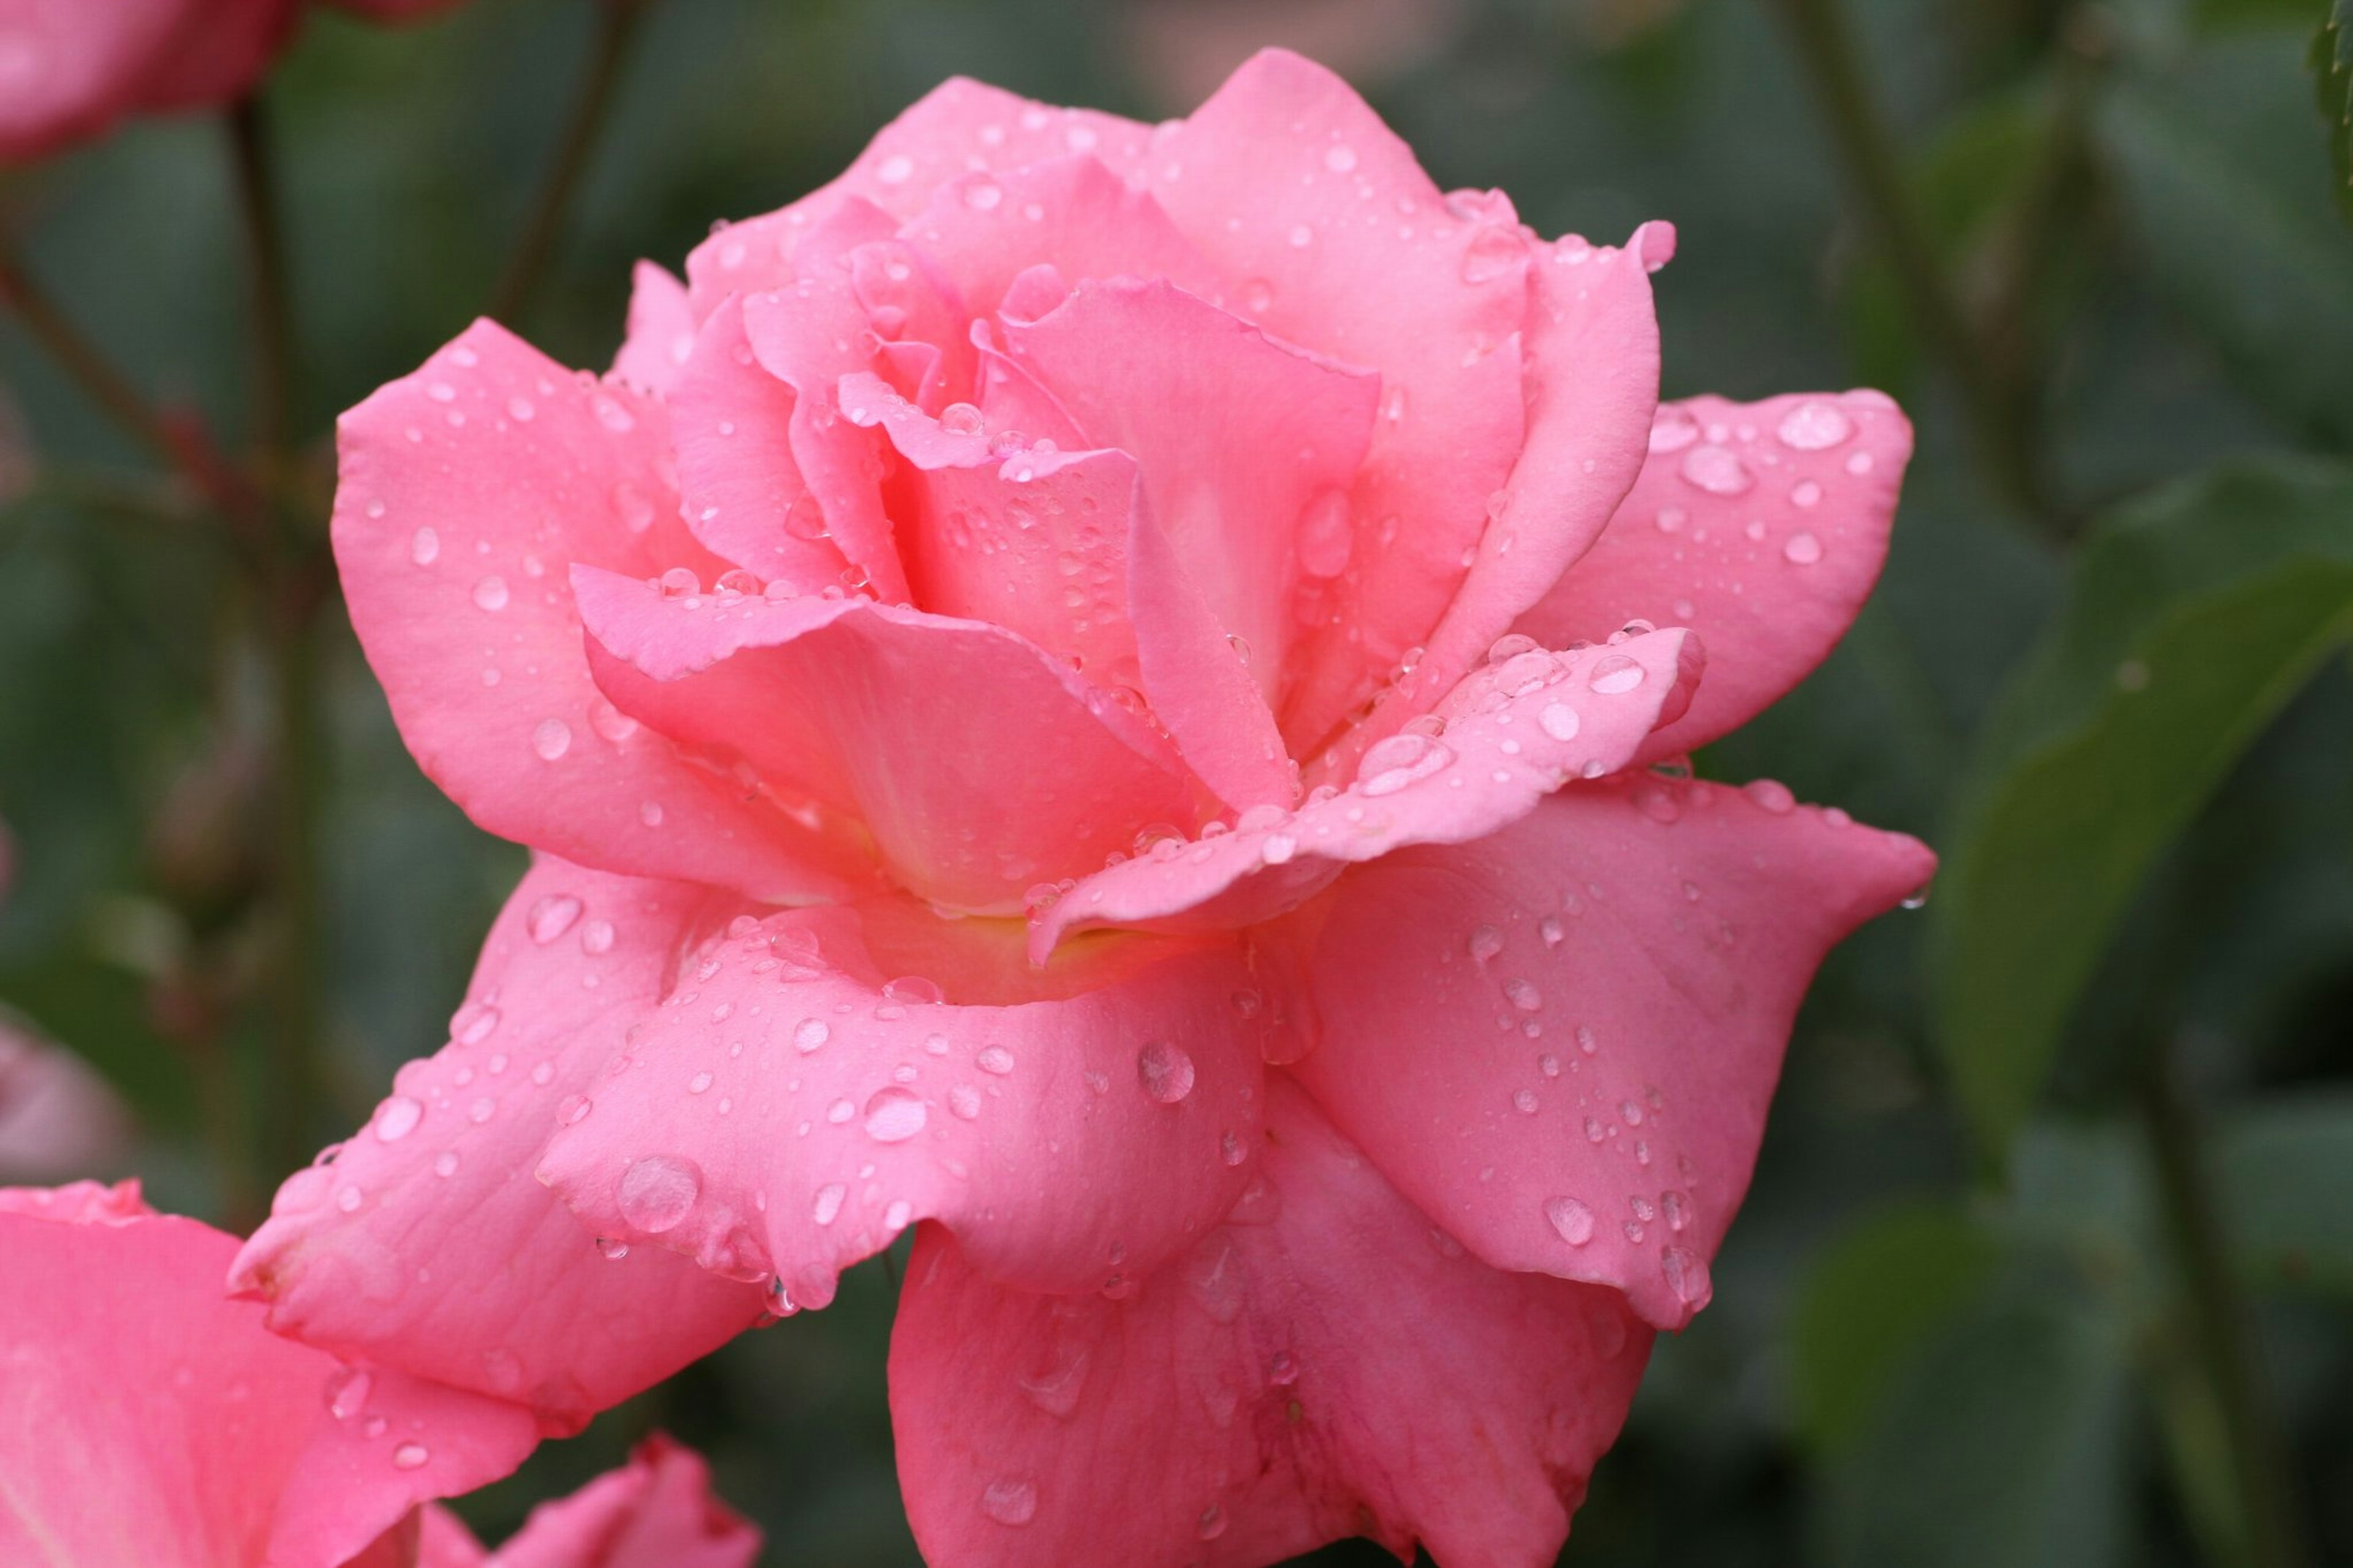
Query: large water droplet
point(347, 1392)
point(490, 593)
point(396, 1117)
point(1402, 759)
point(995, 1060)
point(826, 1205)
point(893, 1115)
point(424, 547)
point(1615, 674)
point(550, 917)
point(1165, 1071)
point(1717, 470)
point(1011, 1502)
point(809, 1034)
point(1686, 1275)
point(1814, 425)
point(658, 1191)
point(410, 1457)
point(1571, 1219)
point(1802, 549)
point(552, 738)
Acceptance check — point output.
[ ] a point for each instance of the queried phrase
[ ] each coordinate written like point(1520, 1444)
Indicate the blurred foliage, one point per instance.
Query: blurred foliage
point(2049, 1238)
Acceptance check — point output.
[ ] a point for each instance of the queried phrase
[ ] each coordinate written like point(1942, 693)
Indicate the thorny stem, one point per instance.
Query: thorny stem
point(1862, 141)
point(2218, 1319)
point(617, 25)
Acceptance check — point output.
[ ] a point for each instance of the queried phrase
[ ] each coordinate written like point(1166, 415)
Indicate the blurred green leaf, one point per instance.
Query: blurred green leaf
point(2284, 1169)
point(2332, 72)
point(1869, 1300)
point(2270, 293)
point(2192, 616)
point(2001, 1440)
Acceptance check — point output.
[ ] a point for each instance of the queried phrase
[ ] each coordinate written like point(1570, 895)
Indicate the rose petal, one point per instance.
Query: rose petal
point(980, 763)
point(662, 330)
point(1292, 185)
point(1514, 732)
point(515, 1297)
point(789, 1113)
point(1761, 526)
point(149, 1420)
point(1560, 1040)
point(1236, 434)
point(454, 540)
point(1592, 384)
point(1328, 1364)
point(82, 70)
point(657, 1512)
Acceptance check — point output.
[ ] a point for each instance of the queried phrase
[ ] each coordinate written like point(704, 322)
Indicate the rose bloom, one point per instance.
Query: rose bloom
point(71, 69)
point(1089, 690)
point(150, 1423)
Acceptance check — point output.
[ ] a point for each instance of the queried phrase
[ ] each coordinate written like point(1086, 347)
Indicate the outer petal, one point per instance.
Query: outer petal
point(659, 1512)
point(1333, 238)
point(1560, 1040)
point(424, 1244)
point(1761, 526)
point(149, 1420)
point(219, 49)
point(662, 330)
point(468, 489)
point(1592, 386)
point(981, 765)
point(1236, 434)
point(1328, 1364)
point(789, 1113)
point(1513, 733)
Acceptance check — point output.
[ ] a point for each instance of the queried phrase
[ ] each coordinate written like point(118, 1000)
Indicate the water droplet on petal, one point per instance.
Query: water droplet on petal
point(965, 1102)
point(1165, 1071)
point(1814, 425)
point(658, 1191)
point(1571, 1219)
point(1802, 549)
point(995, 1060)
point(551, 740)
point(410, 1457)
point(550, 917)
point(347, 1392)
point(490, 593)
point(396, 1117)
point(826, 1205)
point(810, 1034)
point(1717, 470)
point(424, 547)
point(893, 1115)
point(1011, 1502)
point(1615, 674)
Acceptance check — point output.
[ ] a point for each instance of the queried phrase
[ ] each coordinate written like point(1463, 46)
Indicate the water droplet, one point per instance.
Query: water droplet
point(1586, 1041)
point(1301, 236)
point(1522, 995)
point(810, 1034)
point(1813, 425)
point(1231, 1150)
point(1686, 1275)
point(658, 1191)
point(699, 1083)
point(396, 1117)
point(826, 1205)
point(424, 547)
point(1011, 1502)
point(550, 917)
point(1277, 849)
point(612, 1249)
point(965, 1102)
point(1571, 1219)
point(1802, 549)
point(995, 1060)
point(1165, 1071)
point(1326, 535)
point(1717, 470)
point(983, 195)
point(1673, 430)
point(347, 1392)
point(893, 1115)
point(1484, 943)
point(1559, 721)
point(473, 1023)
point(552, 738)
point(1339, 158)
point(1402, 759)
point(490, 593)
point(1615, 674)
point(1212, 1523)
point(1524, 1101)
point(410, 1457)
point(597, 937)
point(915, 989)
point(445, 1163)
point(1549, 928)
point(1770, 794)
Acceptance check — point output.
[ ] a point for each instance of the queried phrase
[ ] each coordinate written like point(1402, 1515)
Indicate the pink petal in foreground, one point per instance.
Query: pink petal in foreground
point(1592, 384)
point(790, 1111)
point(981, 765)
point(467, 490)
point(515, 1301)
point(658, 1512)
point(1511, 733)
point(1326, 1364)
point(1560, 1040)
point(1761, 526)
point(662, 330)
point(151, 1421)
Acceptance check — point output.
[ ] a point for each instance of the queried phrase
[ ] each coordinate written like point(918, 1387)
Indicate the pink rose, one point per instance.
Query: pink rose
point(148, 1421)
point(1080, 689)
point(71, 69)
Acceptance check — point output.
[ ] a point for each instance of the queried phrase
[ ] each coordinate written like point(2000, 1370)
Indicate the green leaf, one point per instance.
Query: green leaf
point(2002, 1441)
point(2269, 291)
point(1867, 1304)
point(2332, 80)
point(2283, 1170)
point(2191, 617)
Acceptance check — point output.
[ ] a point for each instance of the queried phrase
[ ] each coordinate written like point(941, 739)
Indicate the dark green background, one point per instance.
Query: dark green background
point(1956, 1323)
